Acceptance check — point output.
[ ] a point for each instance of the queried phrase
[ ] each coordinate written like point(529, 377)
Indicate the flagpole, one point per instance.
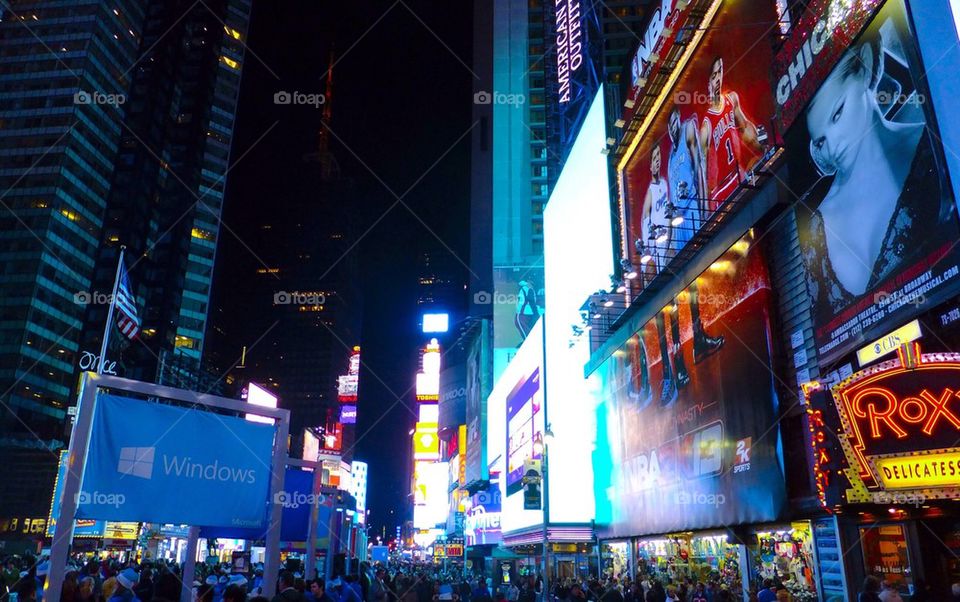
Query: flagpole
point(106, 327)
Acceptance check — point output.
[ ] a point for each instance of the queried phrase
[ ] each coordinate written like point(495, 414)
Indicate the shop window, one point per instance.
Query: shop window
point(885, 555)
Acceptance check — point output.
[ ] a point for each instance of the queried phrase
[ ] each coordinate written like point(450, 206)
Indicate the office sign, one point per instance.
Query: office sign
point(160, 463)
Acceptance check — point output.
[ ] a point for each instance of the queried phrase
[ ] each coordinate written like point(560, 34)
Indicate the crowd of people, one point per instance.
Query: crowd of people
point(23, 580)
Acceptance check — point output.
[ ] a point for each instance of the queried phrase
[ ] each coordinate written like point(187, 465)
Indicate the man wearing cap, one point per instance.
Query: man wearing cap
point(126, 580)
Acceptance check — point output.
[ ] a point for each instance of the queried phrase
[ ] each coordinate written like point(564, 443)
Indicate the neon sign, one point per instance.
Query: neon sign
point(901, 422)
point(569, 46)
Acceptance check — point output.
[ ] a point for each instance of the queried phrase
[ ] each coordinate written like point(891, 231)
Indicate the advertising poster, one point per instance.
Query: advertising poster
point(876, 216)
point(143, 455)
point(524, 427)
point(475, 465)
point(711, 131)
point(687, 411)
point(517, 304)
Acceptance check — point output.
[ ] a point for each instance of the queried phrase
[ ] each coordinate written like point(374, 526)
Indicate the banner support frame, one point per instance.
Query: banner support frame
point(90, 384)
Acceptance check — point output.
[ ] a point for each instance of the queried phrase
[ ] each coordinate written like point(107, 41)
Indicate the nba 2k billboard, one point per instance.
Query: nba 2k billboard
point(687, 410)
point(876, 217)
point(711, 131)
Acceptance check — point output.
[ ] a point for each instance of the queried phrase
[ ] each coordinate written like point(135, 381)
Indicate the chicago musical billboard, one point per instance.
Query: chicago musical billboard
point(877, 221)
point(708, 135)
point(687, 412)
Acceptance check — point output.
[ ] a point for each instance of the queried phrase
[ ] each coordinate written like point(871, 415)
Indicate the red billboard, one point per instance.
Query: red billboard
point(707, 136)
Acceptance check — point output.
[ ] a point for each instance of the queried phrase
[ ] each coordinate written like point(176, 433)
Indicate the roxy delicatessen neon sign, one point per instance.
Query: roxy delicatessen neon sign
point(901, 423)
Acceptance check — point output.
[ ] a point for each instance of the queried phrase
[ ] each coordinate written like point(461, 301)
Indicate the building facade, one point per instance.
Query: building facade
point(117, 132)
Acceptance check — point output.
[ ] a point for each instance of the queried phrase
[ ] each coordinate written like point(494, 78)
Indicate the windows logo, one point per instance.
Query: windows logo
point(136, 462)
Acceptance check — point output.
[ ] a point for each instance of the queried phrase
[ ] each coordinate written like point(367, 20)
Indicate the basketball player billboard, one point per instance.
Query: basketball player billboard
point(707, 136)
point(876, 216)
point(684, 440)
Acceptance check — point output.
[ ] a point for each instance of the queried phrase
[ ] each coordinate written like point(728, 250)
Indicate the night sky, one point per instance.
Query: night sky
point(402, 99)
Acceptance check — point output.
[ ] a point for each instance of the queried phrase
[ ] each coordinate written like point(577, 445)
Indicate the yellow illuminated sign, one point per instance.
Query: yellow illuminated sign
point(920, 471)
point(889, 342)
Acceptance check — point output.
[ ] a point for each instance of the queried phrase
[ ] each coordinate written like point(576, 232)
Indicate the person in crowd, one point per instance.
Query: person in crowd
point(144, 587)
point(109, 586)
point(287, 591)
point(26, 590)
point(205, 593)
point(167, 588)
point(889, 593)
point(870, 591)
point(70, 590)
point(352, 591)
point(85, 589)
point(955, 592)
point(126, 580)
point(768, 593)
point(481, 593)
point(656, 593)
point(318, 591)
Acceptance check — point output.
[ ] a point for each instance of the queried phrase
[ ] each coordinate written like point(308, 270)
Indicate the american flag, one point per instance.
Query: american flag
point(127, 320)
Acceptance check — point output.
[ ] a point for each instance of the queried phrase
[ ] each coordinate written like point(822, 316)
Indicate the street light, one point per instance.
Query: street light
point(545, 443)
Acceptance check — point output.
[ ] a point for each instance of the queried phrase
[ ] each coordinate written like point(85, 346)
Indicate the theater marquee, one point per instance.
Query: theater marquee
point(901, 426)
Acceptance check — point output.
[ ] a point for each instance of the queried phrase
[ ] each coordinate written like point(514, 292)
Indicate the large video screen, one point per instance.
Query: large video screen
point(711, 131)
point(877, 221)
point(524, 426)
point(687, 411)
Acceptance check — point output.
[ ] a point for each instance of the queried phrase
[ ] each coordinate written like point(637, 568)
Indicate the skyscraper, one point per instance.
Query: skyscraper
point(118, 133)
point(65, 75)
point(167, 197)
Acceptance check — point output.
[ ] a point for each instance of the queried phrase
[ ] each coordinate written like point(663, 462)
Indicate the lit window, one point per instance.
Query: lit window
point(229, 62)
point(233, 33)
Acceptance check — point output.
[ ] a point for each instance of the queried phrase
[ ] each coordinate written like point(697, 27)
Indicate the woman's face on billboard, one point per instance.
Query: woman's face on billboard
point(841, 112)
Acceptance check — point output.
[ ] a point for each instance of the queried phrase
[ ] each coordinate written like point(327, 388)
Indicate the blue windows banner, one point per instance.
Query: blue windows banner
point(167, 464)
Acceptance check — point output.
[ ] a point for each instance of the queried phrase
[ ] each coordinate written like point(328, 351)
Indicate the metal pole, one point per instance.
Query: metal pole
point(106, 327)
point(310, 570)
point(76, 460)
point(189, 565)
point(545, 469)
point(271, 567)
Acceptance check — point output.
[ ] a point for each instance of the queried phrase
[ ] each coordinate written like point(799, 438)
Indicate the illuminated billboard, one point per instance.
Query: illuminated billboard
point(259, 396)
point(430, 500)
point(311, 445)
point(862, 123)
point(428, 380)
point(426, 442)
point(684, 437)
point(709, 133)
point(899, 430)
point(347, 384)
point(513, 387)
point(436, 322)
point(348, 414)
point(525, 426)
point(578, 261)
point(358, 488)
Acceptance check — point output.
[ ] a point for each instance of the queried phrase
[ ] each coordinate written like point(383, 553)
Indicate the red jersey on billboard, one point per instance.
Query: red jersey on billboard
point(723, 151)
